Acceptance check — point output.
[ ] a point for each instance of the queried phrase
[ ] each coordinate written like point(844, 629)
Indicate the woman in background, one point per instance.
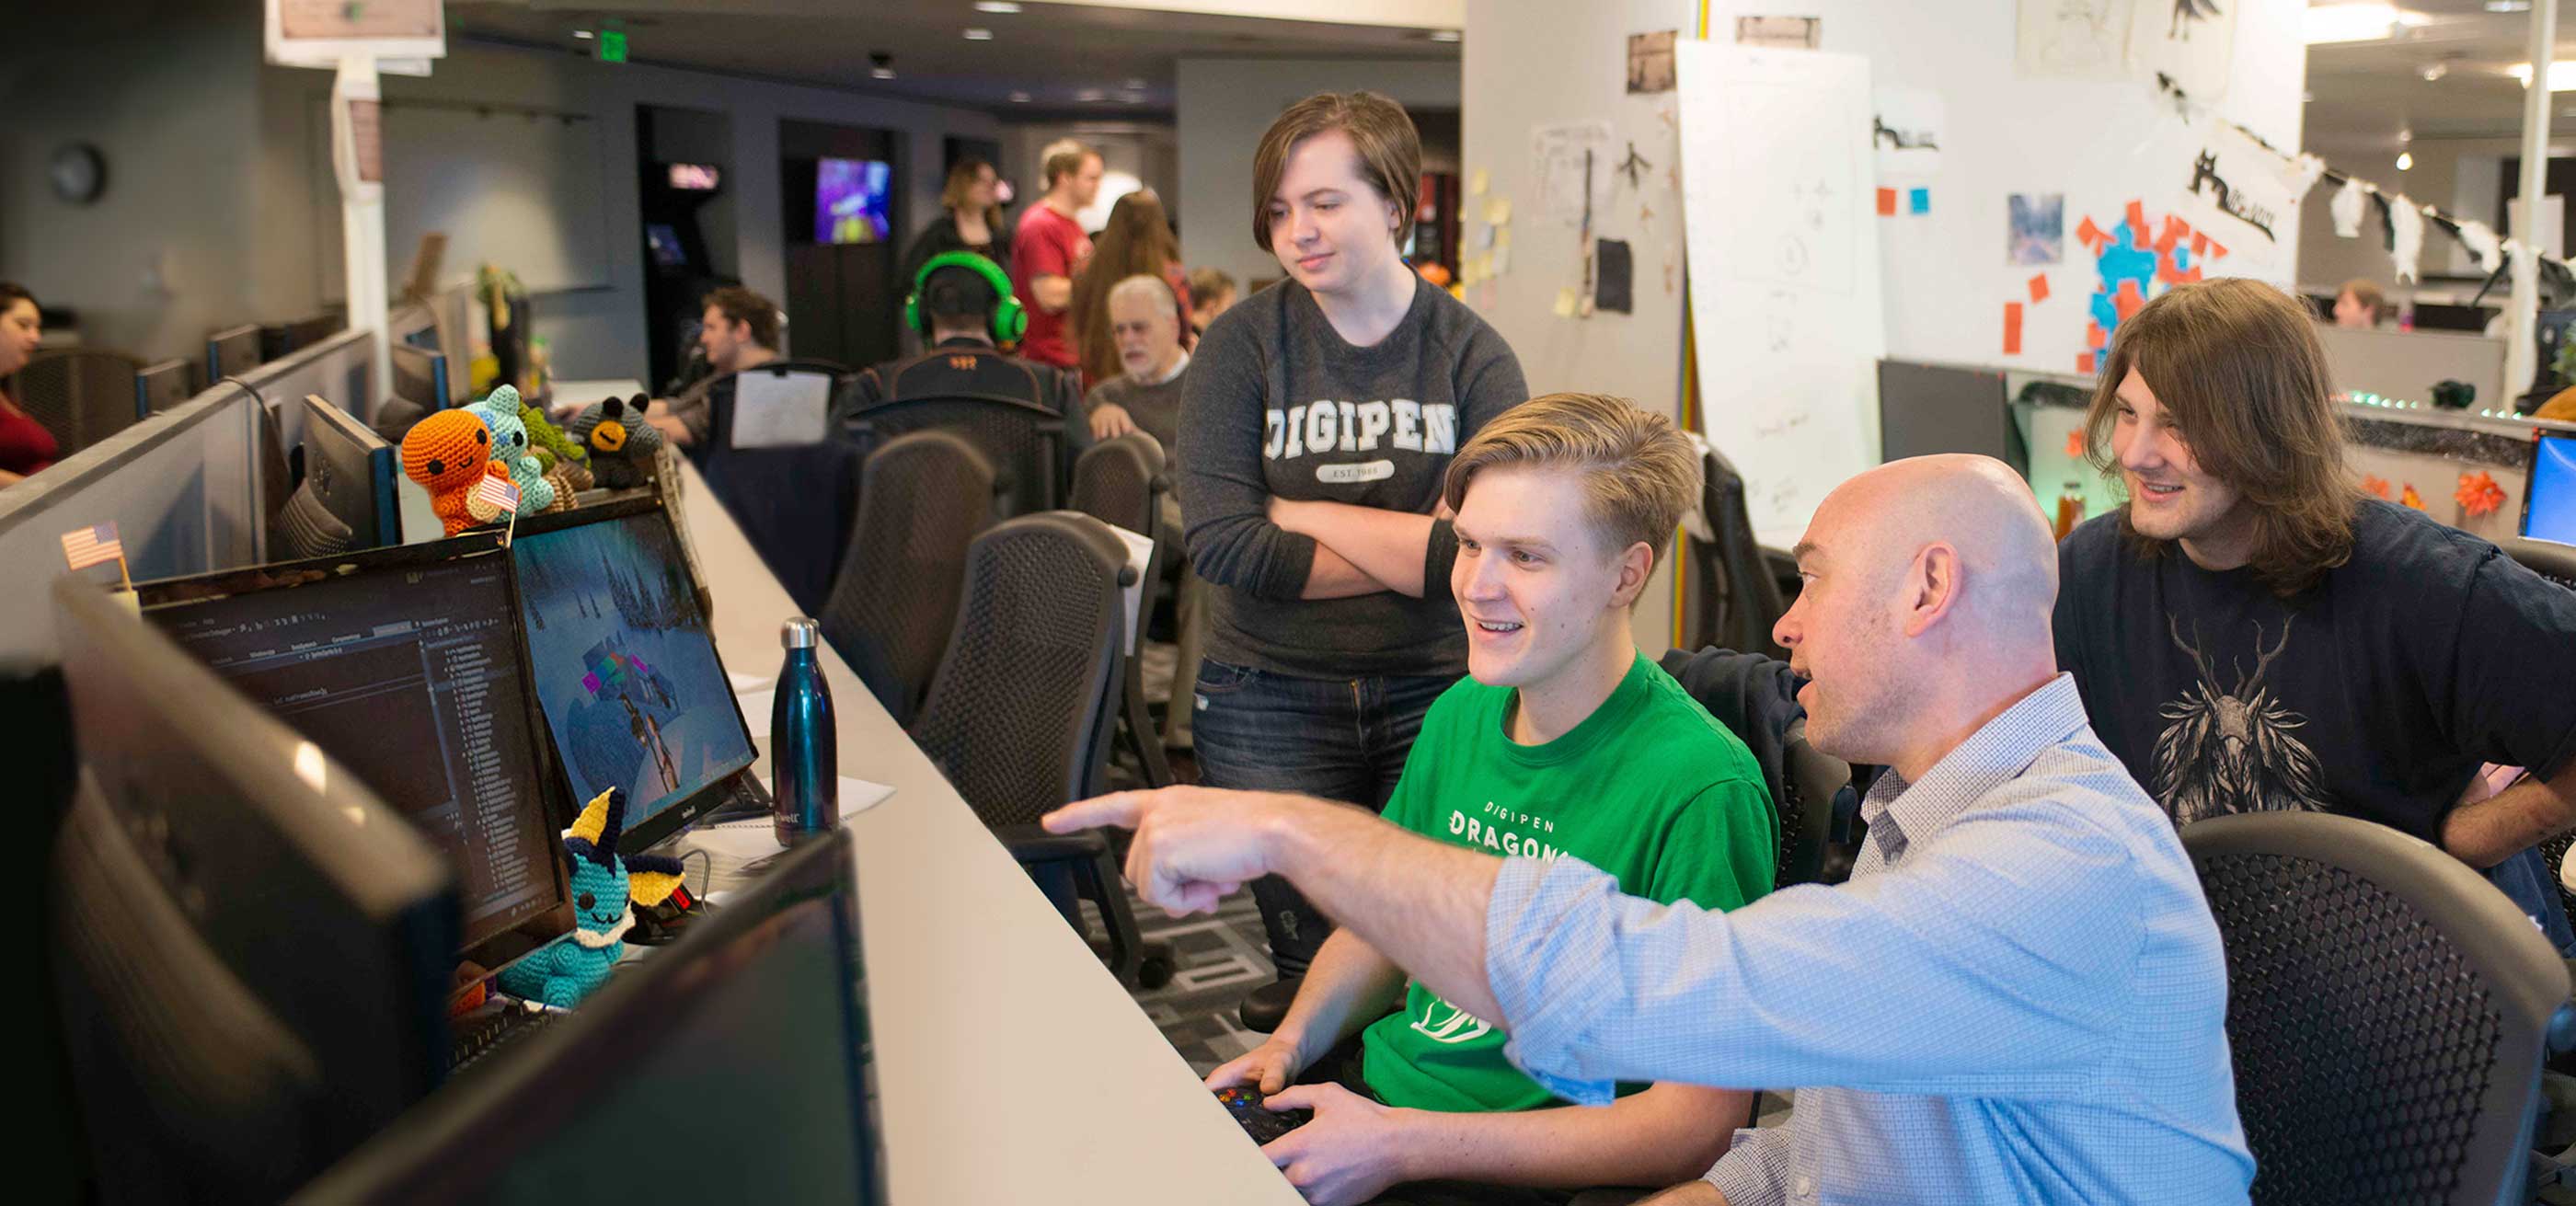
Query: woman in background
point(1138, 241)
point(970, 219)
point(25, 445)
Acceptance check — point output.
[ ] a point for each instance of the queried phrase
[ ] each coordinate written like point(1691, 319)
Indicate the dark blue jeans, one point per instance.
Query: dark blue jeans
point(1339, 738)
point(2531, 883)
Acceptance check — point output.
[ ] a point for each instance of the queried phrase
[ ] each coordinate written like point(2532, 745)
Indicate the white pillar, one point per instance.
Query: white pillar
point(357, 156)
point(2522, 352)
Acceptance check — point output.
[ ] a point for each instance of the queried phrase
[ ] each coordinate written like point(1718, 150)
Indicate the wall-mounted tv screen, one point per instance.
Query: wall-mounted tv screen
point(851, 200)
point(694, 177)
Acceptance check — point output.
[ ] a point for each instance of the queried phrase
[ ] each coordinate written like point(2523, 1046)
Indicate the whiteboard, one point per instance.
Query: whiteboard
point(1778, 185)
point(525, 192)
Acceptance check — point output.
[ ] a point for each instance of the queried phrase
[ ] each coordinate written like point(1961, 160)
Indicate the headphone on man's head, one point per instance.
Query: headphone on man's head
point(1010, 319)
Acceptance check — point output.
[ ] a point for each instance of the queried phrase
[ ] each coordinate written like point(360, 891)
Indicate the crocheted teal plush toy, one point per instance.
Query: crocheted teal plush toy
point(500, 412)
point(570, 968)
point(621, 444)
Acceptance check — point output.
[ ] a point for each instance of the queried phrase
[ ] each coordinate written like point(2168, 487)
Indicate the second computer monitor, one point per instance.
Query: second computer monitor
point(2549, 500)
point(420, 376)
point(626, 664)
point(404, 666)
point(352, 472)
point(1933, 408)
point(160, 387)
point(232, 352)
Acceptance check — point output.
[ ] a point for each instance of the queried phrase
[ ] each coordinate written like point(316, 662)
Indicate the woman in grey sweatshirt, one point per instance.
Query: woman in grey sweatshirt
point(1318, 419)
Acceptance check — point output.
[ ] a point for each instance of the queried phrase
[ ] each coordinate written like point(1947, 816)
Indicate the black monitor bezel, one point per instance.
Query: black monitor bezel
point(383, 503)
point(2531, 476)
point(642, 835)
point(553, 794)
point(489, 1113)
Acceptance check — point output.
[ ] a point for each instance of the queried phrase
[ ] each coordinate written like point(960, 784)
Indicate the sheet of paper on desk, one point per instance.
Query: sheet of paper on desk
point(1140, 555)
point(780, 410)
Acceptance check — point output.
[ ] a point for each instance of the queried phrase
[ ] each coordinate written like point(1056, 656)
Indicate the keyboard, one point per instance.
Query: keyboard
point(485, 1031)
point(1264, 1125)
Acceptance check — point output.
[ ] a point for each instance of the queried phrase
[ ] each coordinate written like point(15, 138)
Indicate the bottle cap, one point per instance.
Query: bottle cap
point(800, 633)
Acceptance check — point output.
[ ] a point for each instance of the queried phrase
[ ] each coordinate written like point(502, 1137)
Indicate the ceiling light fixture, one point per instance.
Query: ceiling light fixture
point(2435, 72)
point(2348, 23)
point(996, 6)
point(2405, 160)
point(1019, 98)
point(2562, 75)
point(2404, 136)
point(1444, 35)
point(881, 65)
point(977, 33)
point(2508, 6)
point(584, 34)
point(1089, 95)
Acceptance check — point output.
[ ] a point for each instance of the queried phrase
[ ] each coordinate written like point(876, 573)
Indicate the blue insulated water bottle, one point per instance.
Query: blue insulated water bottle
point(804, 759)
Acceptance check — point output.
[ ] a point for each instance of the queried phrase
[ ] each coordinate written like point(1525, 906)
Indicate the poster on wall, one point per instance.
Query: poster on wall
point(1906, 130)
point(2038, 229)
point(2072, 39)
point(2236, 194)
point(2191, 42)
point(1567, 160)
point(1650, 62)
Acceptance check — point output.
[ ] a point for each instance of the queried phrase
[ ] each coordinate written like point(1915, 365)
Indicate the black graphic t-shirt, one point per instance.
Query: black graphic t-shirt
point(2376, 693)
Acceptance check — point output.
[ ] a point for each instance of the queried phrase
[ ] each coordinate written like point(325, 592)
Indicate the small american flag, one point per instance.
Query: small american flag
point(93, 546)
point(499, 493)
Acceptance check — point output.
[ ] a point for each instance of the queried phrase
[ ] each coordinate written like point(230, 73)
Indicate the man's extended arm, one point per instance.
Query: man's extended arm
point(2493, 829)
point(1668, 1133)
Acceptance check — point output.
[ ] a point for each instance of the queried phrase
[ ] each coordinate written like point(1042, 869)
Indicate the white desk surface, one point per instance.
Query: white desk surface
point(1011, 1066)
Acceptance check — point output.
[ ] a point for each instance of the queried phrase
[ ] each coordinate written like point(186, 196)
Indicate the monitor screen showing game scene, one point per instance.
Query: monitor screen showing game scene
point(851, 200)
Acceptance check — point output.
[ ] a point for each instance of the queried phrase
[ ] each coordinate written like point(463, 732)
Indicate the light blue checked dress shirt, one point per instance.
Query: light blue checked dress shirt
point(2018, 997)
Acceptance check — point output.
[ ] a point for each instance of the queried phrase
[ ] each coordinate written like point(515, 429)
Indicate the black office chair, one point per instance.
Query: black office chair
point(81, 395)
point(1019, 717)
point(2547, 558)
point(2388, 1011)
point(922, 499)
point(1820, 825)
point(1735, 597)
point(1027, 443)
point(1121, 482)
point(795, 503)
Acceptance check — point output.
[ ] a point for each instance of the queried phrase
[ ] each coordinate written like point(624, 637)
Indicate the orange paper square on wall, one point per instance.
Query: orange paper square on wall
point(2012, 328)
point(1887, 203)
point(2084, 363)
point(2039, 287)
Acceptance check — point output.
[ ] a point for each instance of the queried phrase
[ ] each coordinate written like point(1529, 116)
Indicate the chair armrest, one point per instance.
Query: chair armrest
point(1030, 844)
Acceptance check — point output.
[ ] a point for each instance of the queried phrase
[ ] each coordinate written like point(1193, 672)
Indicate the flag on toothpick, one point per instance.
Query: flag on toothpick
point(499, 493)
point(90, 546)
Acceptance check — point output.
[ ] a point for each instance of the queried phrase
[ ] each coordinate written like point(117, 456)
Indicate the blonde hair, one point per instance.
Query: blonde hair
point(1064, 157)
point(1390, 152)
point(1640, 473)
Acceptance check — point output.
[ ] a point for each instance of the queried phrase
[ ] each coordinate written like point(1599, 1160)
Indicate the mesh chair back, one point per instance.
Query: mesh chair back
point(2547, 558)
point(2387, 1010)
point(1024, 442)
point(81, 395)
point(922, 499)
point(1735, 601)
point(1121, 482)
point(1020, 715)
point(1819, 797)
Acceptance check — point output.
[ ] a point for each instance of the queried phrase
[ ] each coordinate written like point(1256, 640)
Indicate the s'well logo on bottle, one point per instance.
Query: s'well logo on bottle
point(1442, 1022)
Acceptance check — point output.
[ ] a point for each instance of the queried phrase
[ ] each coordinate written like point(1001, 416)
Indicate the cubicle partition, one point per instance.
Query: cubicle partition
point(339, 368)
point(183, 487)
point(2407, 364)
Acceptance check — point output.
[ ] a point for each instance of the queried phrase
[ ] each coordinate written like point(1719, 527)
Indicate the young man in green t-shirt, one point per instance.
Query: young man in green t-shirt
point(1563, 738)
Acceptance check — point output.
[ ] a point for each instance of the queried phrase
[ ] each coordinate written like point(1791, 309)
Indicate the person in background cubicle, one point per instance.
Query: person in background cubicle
point(2252, 632)
point(738, 331)
point(1137, 241)
point(1050, 248)
point(1317, 421)
point(2020, 995)
point(25, 445)
point(970, 219)
point(1145, 395)
point(958, 300)
point(1212, 292)
point(2359, 304)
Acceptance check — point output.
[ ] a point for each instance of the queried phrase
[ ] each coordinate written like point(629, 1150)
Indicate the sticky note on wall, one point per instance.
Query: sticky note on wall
point(1887, 203)
point(2012, 328)
point(1920, 201)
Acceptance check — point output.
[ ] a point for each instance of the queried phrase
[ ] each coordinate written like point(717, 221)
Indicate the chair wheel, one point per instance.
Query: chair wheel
point(1153, 971)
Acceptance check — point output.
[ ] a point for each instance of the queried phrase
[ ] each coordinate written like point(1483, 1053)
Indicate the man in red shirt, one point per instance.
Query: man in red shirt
point(1051, 246)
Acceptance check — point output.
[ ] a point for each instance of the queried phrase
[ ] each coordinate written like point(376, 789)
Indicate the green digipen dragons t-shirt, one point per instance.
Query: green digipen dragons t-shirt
point(1649, 788)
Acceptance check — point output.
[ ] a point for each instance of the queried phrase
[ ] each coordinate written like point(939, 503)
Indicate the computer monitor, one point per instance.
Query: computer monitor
point(1933, 408)
point(626, 666)
point(160, 387)
point(420, 376)
point(232, 352)
point(403, 666)
point(735, 1066)
point(2549, 497)
point(251, 949)
point(351, 471)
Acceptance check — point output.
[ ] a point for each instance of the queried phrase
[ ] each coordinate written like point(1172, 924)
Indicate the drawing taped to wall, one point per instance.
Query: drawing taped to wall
point(2191, 42)
point(2072, 39)
point(2038, 230)
point(1650, 62)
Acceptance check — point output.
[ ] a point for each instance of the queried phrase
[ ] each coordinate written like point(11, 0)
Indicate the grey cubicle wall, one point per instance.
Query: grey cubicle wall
point(2405, 364)
point(340, 368)
point(183, 488)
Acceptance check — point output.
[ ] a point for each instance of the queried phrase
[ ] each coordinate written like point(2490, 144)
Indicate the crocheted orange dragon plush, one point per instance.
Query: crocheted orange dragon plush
point(449, 453)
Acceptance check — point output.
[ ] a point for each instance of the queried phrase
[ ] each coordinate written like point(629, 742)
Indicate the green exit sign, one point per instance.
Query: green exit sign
point(612, 46)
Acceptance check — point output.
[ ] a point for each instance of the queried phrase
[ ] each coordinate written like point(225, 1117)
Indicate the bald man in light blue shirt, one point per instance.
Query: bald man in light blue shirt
point(2019, 996)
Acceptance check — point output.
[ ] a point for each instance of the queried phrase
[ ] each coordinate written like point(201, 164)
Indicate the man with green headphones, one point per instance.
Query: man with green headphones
point(961, 304)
